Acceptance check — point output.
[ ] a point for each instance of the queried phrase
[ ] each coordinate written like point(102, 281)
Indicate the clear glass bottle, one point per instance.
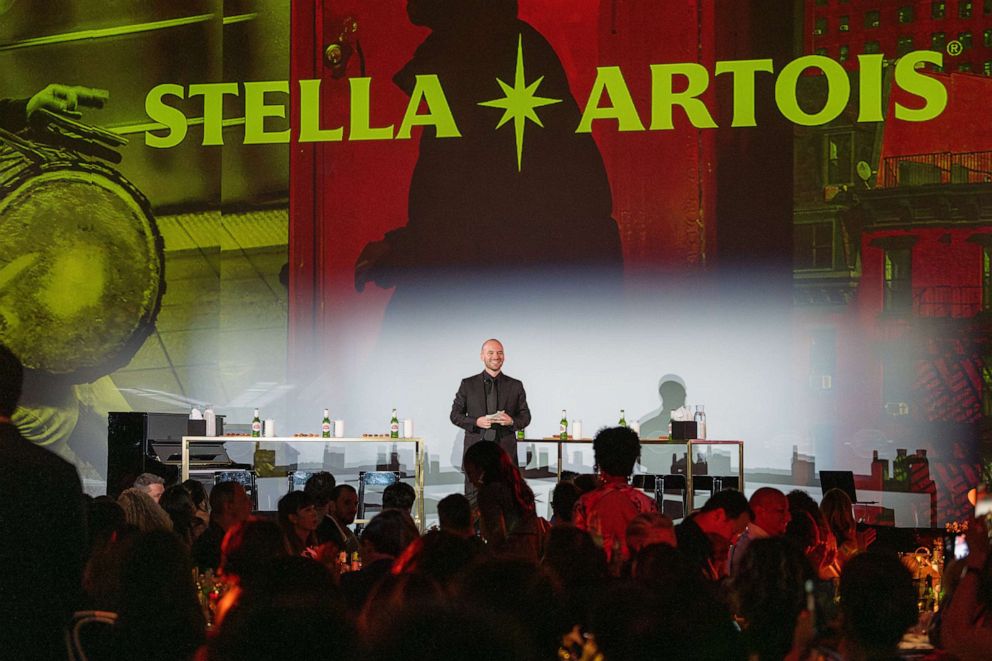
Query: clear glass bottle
point(700, 419)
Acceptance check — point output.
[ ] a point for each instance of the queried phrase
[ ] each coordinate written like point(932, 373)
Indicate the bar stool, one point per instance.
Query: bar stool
point(666, 484)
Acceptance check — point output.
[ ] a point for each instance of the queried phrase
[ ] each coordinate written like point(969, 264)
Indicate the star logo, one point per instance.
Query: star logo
point(519, 102)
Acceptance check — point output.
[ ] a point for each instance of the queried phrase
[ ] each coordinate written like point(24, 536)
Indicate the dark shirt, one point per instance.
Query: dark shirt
point(501, 515)
point(358, 585)
point(695, 545)
point(327, 531)
point(206, 548)
point(330, 530)
point(42, 545)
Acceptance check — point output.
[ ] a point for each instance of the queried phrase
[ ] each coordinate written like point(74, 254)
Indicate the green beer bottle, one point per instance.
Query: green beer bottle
point(256, 425)
point(623, 419)
point(394, 426)
point(325, 425)
point(563, 426)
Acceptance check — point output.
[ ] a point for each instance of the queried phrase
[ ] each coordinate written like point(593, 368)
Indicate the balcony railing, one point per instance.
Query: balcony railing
point(945, 168)
point(947, 302)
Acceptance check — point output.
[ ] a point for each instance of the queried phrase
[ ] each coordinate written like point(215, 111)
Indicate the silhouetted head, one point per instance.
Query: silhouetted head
point(672, 390)
point(320, 486)
point(878, 602)
point(249, 545)
point(399, 495)
point(454, 513)
point(616, 450)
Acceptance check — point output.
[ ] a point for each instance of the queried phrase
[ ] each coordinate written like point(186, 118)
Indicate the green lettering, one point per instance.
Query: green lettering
point(310, 130)
point(743, 74)
point(610, 80)
point(931, 90)
point(870, 88)
point(361, 111)
point(256, 111)
point(213, 109)
point(838, 90)
point(663, 98)
point(173, 118)
point(428, 89)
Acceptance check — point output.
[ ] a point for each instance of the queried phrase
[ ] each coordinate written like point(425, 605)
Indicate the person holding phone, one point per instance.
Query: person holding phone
point(966, 627)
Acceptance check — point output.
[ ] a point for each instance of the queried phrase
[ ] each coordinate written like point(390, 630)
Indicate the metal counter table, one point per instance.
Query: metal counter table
point(688, 444)
point(418, 443)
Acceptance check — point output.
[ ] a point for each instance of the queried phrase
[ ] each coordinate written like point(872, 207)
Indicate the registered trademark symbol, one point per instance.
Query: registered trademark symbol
point(955, 47)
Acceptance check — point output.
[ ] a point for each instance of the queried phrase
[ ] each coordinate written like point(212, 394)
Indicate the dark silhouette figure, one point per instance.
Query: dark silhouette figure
point(671, 390)
point(474, 218)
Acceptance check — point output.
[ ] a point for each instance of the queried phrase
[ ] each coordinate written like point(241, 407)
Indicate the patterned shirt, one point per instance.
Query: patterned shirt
point(605, 513)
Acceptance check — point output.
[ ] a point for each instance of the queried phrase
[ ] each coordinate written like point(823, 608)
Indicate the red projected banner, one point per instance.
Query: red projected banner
point(682, 200)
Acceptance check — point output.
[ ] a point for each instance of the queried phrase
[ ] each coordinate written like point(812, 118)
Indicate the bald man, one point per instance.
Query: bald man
point(771, 516)
point(491, 406)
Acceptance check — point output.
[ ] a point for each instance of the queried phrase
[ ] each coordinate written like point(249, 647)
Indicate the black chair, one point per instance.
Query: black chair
point(373, 479)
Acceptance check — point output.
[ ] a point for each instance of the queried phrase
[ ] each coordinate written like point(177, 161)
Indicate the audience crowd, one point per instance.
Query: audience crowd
point(177, 574)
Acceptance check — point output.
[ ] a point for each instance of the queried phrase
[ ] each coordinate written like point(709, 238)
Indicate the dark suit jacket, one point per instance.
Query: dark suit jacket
point(330, 531)
point(470, 403)
point(43, 520)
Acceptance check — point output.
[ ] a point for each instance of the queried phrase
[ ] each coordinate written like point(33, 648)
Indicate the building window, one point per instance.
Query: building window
point(822, 357)
point(898, 375)
point(965, 39)
point(872, 47)
point(844, 24)
point(906, 14)
point(872, 18)
point(964, 9)
point(839, 149)
point(820, 26)
point(813, 246)
point(821, 3)
point(904, 45)
point(820, 51)
point(938, 9)
point(898, 280)
point(987, 7)
point(843, 53)
point(964, 67)
point(938, 40)
point(987, 67)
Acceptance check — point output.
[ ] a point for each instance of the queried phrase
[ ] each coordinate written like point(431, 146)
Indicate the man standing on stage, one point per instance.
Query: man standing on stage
point(491, 406)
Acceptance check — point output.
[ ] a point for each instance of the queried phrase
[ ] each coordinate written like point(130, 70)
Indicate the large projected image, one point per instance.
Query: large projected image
point(651, 205)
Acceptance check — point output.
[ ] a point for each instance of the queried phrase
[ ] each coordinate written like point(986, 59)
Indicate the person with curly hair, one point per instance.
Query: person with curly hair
point(606, 511)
